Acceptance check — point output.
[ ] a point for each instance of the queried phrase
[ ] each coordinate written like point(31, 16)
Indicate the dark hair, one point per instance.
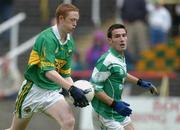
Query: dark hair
point(64, 9)
point(114, 26)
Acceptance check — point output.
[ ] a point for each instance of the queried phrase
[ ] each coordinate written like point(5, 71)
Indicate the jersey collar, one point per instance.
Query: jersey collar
point(115, 53)
point(56, 33)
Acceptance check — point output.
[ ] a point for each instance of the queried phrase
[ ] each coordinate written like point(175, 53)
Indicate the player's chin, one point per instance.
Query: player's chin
point(72, 29)
point(123, 48)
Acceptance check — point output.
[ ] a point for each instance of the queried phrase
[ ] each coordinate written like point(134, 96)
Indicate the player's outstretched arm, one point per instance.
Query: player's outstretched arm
point(147, 85)
point(143, 84)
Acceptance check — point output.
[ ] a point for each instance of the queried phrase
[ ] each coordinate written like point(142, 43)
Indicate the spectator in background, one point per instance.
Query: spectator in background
point(159, 20)
point(133, 14)
point(98, 47)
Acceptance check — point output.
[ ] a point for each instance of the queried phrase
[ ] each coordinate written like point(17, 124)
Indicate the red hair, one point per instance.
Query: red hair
point(64, 9)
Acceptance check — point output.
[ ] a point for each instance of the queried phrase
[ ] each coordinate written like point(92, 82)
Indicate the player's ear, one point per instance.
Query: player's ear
point(109, 41)
point(61, 17)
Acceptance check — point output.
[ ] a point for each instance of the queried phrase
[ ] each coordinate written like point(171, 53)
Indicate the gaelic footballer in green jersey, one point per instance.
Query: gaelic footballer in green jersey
point(49, 70)
point(109, 74)
point(45, 57)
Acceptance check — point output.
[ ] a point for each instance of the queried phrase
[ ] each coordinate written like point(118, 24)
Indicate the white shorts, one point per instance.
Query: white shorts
point(33, 99)
point(100, 123)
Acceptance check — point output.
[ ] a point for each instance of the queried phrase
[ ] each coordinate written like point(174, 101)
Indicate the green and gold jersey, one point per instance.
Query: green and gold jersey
point(49, 53)
point(109, 76)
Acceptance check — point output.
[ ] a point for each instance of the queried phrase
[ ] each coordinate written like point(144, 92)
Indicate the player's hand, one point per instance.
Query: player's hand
point(64, 92)
point(78, 96)
point(122, 108)
point(153, 90)
point(148, 85)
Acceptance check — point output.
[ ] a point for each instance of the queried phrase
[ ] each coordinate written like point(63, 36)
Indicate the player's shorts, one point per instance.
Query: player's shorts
point(100, 123)
point(33, 99)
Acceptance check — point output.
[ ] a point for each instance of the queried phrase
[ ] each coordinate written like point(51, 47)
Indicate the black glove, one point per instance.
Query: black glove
point(147, 85)
point(122, 108)
point(64, 92)
point(78, 96)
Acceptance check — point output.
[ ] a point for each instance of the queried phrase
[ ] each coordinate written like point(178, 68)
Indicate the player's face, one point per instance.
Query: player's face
point(118, 40)
point(70, 21)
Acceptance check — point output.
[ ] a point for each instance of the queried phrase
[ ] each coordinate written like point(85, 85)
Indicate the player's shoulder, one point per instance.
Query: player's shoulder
point(103, 57)
point(103, 60)
point(47, 33)
point(45, 37)
point(108, 58)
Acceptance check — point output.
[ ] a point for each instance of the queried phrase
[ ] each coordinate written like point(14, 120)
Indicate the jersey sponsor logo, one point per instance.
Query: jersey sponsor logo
point(44, 64)
point(59, 63)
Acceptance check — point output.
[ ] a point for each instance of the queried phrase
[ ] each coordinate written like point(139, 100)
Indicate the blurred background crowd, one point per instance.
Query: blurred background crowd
point(153, 39)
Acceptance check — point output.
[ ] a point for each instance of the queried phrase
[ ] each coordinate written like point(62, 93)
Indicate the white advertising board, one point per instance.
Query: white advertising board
point(155, 113)
point(149, 113)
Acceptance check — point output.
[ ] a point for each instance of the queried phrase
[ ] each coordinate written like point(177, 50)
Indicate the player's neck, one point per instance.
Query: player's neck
point(121, 53)
point(62, 34)
point(63, 37)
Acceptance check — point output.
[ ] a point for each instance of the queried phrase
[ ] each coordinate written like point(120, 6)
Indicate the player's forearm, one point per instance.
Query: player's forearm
point(132, 79)
point(54, 76)
point(104, 97)
point(69, 79)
